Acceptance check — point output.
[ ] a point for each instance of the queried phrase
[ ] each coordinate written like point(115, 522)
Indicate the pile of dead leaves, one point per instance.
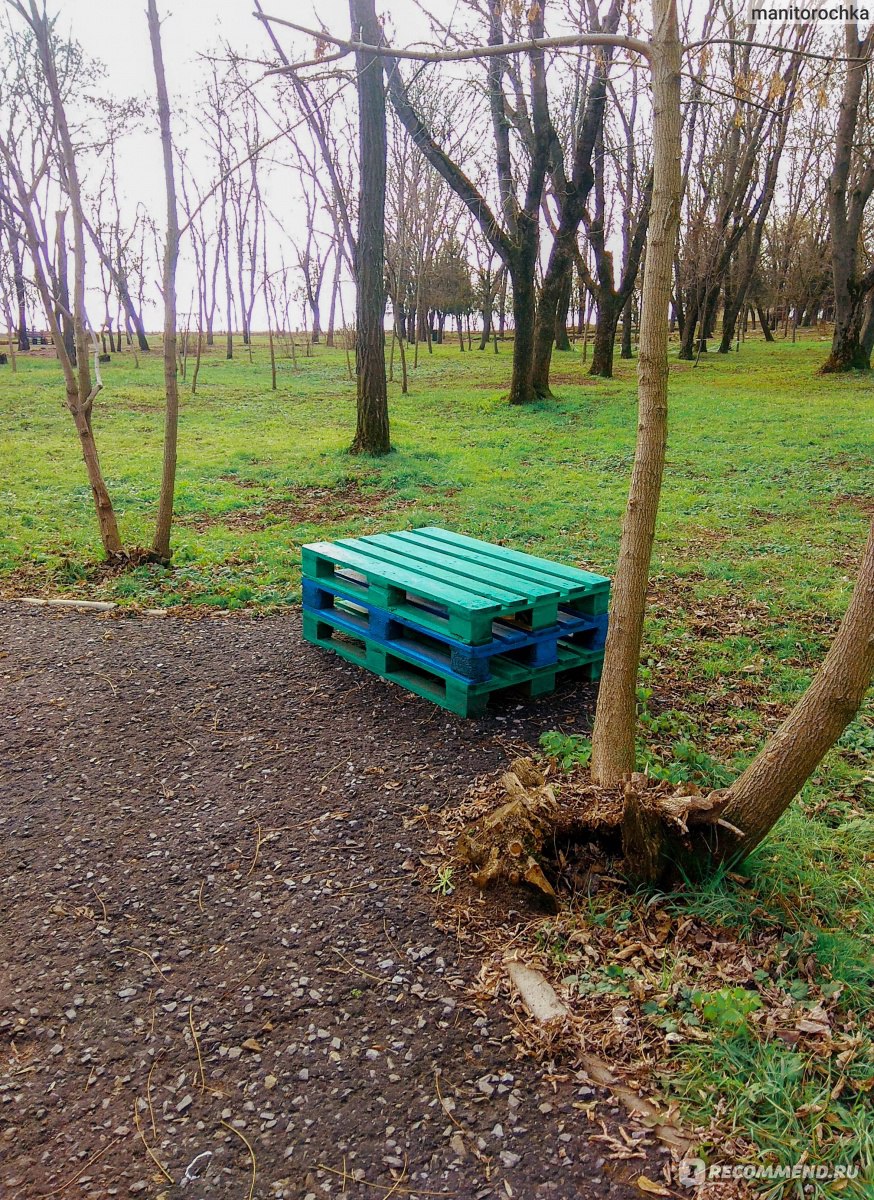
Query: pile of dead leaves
point(638, 978)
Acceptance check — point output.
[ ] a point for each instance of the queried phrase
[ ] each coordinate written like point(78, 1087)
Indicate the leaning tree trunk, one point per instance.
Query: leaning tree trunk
point(132, 313)
point(613, 735)
point(372, 433)
point(691, 316)
point(554, 300)
point(777, 774)
point(725, 827)
point(764, 323)
point(734, 306)
point(161, 543)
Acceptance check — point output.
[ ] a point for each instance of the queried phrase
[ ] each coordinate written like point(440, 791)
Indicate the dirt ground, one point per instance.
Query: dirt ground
point(217, 953)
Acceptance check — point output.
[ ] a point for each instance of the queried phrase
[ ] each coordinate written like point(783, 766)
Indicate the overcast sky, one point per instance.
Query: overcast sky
point(115, 32)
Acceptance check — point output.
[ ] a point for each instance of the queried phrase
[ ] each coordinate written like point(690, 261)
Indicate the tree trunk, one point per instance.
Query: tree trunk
point(229, 296)
point(777, 774)
point(626, 351)
point(521, 381)
point(487, 328)
point(109, 535)
point(614, 733)
point(562, 341)
point(332, 310)
point(20, 293)
point(372, 433)
point(161, 543)
point(867, 336)
point(688, 329)
point(763, 321)
point(132, 314)
point(552, 293)
point(734, 305)
point(604, 341)
point(848, 351)
point(847, 200)
point(65, 305)
point(77, 374)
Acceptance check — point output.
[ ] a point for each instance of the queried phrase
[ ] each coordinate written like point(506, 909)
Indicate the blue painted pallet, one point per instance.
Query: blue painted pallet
point(416, 671)
point(526, 647)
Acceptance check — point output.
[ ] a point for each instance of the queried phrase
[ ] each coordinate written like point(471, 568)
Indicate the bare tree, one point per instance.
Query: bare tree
point(161, 543)
point(81, 387)
point(850, 188)
point(736, 161)
point(516, 241)
point(615, 717)
point(571, 191)
point(115, 245)
point(611, 298)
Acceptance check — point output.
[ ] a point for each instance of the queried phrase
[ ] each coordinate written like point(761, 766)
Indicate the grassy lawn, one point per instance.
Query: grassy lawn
point(766, 502)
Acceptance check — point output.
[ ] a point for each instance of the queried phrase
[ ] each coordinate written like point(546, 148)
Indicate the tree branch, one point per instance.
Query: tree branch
point(565, 41)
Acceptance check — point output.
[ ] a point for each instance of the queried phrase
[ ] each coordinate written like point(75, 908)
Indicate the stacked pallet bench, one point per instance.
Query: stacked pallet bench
point(452, 618)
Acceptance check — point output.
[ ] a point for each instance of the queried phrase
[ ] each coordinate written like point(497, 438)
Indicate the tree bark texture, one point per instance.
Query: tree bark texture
point(161, 544)
point(372, 431)
point(850, 187)
point(613, 749)
point(777, 774)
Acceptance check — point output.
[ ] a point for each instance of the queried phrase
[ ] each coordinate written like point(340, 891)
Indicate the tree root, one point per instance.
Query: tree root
point(661, 824)
point(505, 843)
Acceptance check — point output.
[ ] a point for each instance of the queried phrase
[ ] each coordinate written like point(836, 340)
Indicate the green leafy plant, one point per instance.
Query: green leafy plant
point(568, 749)
point(443, 884)
point(727, 1008)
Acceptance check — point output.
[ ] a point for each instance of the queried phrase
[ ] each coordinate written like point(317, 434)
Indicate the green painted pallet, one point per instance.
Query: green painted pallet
point(452, 583)
point(402, 665)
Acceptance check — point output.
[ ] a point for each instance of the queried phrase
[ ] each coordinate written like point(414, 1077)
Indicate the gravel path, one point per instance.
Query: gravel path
point(215, 938)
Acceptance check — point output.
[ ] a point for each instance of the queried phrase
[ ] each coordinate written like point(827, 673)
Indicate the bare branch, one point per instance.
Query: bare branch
point(566, 41)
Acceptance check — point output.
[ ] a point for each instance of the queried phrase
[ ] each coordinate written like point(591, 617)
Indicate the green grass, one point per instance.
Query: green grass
point(763, 459)
point(762, 522)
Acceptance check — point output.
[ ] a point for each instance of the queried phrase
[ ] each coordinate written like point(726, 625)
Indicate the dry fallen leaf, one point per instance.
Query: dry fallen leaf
point(650, 1187)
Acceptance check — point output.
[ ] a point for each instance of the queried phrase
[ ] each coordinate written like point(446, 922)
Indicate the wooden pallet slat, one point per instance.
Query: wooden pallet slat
point(569, 577)
point(443, 686)
point(474, 569)
point(532, 647)
point(443, 571)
